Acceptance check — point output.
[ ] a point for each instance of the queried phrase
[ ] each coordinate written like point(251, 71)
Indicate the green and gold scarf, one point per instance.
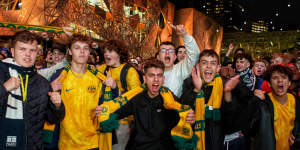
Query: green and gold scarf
point(182, 133)
point(209, 111)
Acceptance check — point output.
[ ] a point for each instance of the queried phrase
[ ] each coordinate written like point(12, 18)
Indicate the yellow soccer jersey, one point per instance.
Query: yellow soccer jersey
point(80, 96)
point(132, 77)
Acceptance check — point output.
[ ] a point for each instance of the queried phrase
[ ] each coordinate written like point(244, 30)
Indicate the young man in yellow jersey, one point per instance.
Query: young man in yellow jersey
point(276, 114)
point(126, 77)
point(80, 92)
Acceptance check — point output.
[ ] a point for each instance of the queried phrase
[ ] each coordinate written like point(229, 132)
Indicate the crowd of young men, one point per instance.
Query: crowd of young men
point(252, 108)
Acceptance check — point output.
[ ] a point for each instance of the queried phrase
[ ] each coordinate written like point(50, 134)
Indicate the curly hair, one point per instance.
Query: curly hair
point(278, 68)
point(82, 38)
point(119, 47)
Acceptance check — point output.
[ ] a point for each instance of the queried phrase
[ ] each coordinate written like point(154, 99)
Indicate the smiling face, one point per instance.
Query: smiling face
point(154, 79)
point(208, 67)
point(25, 53)
point(242, 64)
point(167, 55)
point(259, 68)
point(80, 52)
point(112, 58)
point(279, 83)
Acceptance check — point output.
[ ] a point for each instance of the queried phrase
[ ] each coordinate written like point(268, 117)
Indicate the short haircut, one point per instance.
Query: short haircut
point(119, 47)
point(24, 36)
point(60, 47)
point(209, 52)
point(167, 43)
point(81, 38)
point(238, 49)
point(153, 63)
point(177, 48)
point(246, 56)
point(278, 68)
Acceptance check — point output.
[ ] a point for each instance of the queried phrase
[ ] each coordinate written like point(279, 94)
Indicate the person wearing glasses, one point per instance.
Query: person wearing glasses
point(176, 73)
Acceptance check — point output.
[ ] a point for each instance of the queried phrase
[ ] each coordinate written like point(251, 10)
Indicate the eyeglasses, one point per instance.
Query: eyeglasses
point(167, 50)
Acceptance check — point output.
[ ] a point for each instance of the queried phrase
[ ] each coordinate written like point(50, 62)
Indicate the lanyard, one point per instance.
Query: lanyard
point(24, 88)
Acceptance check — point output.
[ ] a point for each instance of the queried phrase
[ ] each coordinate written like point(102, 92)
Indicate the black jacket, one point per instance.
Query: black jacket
point(262, 126)
point(153, 123)
point(36, 109)
point(232, 113)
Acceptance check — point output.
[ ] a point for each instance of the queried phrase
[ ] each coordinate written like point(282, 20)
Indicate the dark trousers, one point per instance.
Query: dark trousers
point(236, 144)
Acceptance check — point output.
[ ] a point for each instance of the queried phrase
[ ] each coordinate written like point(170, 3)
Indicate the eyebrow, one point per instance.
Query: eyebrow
point(210, 61)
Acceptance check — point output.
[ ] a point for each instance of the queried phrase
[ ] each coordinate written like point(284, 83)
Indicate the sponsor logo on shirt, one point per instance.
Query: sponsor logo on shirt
point(68, 90)
point(11, 141)
point(91, 89)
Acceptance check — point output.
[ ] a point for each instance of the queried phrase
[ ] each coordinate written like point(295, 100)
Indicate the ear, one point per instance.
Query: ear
point(144, 78)
point(248, 64)
point(159, 56)
point(218, 68)
point(69, 51)
point(12, 52)
point(289, 84)
point(269, 84)
point(119, 58)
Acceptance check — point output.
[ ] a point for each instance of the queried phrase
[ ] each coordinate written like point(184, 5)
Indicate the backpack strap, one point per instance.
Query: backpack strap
point(105, 70)
point(123, 75)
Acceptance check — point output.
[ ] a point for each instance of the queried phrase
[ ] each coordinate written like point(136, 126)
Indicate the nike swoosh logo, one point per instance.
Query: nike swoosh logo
point(68, 90)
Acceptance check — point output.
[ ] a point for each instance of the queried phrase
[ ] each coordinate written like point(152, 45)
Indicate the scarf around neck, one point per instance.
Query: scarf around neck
point(17, 96)
point(211, 110)
point(248, 78)
point(182, 133)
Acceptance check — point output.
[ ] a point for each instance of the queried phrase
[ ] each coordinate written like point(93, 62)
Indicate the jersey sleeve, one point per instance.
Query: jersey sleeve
point(132, 79)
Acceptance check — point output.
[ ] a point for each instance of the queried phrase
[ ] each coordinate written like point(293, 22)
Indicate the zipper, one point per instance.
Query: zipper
point(25, 123)
point(24, 115)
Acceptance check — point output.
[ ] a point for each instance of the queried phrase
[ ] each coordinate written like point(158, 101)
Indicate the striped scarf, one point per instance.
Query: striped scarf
point(209, 111)
point(248, 78)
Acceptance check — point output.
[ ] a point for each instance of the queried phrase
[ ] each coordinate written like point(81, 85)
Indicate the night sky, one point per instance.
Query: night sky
point(268, 8)
point(288, 11)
